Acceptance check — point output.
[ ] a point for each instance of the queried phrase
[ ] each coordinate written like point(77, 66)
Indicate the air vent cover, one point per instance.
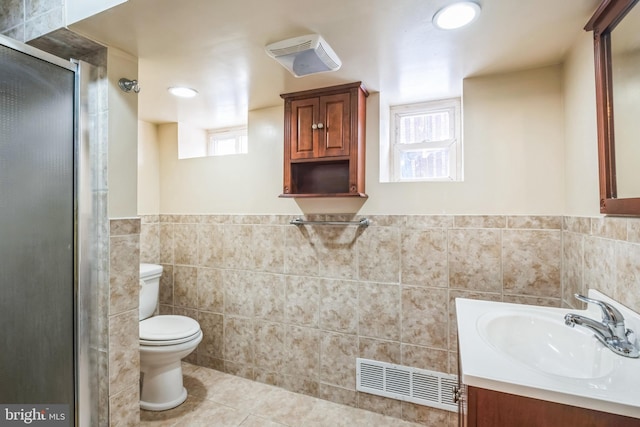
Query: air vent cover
point(429, 388)
point(305, 55)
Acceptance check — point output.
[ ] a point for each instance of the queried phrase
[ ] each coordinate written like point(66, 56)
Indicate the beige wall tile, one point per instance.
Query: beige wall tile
point(212, 325)
point(303, 347)
point(150, 243)
point(166, 243)
point(124, 353)
point(628, 275)
point(475, 259)
point(185, 286)
point(268, 248)
point(238, 292)
point(210, 245)
point(535, 222)
point(238, 246)
point(532, 262)
point(384, 351)
point(380, 405)
point(633, 230)
point(238, 340)
point(338, 395)
point(302, 300)
point(424, 316)
point(269, 346)
point(379, 254)
point(576, 224)
point(425, 358)
point(609, 227)
point(166, 285)
point(338, 354)
point(210, 284)
point(572, 259)
point(379, 311)
point(479, 221)
point(269, 296)
point(185, 249)
point(300, 255)
point(339, 305)
point(424, 414)
point(124, 408)
point(124, 275)
point(599, 266)
point(424, 257)
point(335, 248)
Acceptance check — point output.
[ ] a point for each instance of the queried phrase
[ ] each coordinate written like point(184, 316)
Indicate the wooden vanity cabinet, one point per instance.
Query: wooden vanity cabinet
point(488, 408)
point(479, 407)
point(324, 142)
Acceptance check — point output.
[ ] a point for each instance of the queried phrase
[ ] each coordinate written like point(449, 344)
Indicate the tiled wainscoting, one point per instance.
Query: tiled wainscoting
point(122, 325)
point(294, 306)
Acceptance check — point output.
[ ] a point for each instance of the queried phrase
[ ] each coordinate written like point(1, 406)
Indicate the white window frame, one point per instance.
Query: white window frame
point(454, 143)
point(239, 133)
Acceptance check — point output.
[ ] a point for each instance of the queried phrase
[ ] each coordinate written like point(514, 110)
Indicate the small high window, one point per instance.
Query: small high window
point(426, 142)
point(222, 142)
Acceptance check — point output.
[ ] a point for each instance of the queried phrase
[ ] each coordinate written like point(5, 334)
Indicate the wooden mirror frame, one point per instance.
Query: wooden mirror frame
point(603, 21)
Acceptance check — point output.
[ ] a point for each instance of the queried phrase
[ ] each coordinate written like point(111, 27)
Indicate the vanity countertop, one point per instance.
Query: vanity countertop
point(485, 366)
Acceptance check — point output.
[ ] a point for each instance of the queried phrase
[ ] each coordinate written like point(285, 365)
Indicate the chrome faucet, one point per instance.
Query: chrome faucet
point(611, 331)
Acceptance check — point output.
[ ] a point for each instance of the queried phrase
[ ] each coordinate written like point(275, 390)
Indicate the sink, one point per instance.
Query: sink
point(546, 344)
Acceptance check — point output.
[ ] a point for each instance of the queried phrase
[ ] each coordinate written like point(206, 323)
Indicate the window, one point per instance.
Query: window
point(222, 142)
point(426, 143)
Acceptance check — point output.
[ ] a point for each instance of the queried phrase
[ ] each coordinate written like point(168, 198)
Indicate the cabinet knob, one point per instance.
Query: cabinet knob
point(320, 125)
point(314, 126)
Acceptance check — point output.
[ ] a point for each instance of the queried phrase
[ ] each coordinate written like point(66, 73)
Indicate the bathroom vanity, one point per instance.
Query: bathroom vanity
point(521, 365)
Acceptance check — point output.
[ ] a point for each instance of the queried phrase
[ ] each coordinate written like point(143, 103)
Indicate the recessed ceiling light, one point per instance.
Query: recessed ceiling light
point(456, 15)
point(182, 92)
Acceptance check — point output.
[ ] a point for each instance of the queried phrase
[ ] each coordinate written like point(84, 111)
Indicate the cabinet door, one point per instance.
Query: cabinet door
point(304, 118)
point(335, 134)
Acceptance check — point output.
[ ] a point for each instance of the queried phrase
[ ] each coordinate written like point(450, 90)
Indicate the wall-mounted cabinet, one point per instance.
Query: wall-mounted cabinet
point(324, 142)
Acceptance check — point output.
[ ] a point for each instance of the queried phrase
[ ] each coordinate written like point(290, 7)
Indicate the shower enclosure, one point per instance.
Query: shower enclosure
point(46, 241)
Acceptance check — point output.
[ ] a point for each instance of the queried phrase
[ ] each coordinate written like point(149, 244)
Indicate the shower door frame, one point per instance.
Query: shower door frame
point(85, 239)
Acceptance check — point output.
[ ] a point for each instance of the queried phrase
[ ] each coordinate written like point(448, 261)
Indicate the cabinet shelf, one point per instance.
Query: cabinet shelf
point(324, 145)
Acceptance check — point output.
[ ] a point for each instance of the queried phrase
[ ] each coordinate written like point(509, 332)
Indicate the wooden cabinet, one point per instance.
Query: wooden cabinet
point(324, 142)
point(479, 407)
point(489, 408)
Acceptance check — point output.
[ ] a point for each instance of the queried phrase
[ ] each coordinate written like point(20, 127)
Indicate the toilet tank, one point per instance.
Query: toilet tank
point(149, 289)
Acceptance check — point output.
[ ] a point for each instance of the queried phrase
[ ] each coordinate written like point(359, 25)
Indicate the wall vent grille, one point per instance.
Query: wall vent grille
point(429, 388)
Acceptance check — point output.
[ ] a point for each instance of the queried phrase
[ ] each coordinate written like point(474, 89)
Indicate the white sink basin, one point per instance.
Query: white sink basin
point(528, 351)
point(546, 344)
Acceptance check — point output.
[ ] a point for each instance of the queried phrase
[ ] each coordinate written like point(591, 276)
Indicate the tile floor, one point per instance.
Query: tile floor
point(217, 399)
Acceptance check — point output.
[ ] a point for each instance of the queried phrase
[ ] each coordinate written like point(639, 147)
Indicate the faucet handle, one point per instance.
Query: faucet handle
point(610, 314)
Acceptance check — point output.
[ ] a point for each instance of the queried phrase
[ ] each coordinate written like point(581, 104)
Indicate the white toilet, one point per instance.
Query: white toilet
point(164, 341)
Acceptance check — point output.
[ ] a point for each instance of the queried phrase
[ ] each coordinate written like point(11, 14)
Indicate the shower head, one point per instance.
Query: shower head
point(129, 85)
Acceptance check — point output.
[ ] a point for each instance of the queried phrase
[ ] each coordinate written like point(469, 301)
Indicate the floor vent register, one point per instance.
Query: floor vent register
point(429, 388)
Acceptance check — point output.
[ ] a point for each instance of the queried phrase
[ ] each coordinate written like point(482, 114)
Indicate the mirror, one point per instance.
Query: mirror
point(625, 73)
point(617, 62)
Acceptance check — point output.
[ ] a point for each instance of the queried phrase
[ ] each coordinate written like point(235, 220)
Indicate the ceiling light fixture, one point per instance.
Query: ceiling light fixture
point(456, 15)
point(182, 92)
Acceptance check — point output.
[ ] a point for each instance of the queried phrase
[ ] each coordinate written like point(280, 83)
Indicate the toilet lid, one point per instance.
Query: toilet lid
point(168, 328)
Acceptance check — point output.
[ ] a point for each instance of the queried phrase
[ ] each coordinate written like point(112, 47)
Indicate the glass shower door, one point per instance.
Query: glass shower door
point(37, 243)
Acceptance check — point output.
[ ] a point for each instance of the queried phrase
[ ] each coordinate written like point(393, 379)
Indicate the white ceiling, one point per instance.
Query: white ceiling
point(217, 47)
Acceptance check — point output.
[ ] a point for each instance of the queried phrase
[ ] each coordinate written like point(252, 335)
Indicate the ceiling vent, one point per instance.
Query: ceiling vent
point(305, 55)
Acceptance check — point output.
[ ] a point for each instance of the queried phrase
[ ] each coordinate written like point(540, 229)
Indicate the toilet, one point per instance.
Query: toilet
point(164, 342)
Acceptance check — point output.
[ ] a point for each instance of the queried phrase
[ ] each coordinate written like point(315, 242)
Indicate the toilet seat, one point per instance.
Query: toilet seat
point(168, 330)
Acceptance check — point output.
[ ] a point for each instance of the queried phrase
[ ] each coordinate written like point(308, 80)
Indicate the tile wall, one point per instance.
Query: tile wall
point(123, 350)
point(602, 253)
point(25, 20)
point(294, 306)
